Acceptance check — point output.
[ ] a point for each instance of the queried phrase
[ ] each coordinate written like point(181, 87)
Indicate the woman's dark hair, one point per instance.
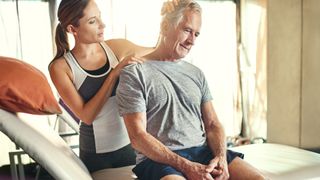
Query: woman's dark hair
point(69, 12)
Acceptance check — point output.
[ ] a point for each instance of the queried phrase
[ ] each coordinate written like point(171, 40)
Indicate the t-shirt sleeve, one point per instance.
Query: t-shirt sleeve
point(206, 94)
point(130, 94)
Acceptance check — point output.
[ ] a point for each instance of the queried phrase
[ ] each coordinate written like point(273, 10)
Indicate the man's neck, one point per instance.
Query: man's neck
point(160, 54)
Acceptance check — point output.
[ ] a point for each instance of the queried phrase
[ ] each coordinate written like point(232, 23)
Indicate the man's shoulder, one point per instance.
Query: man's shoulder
point(190, 65)
point(131, 69)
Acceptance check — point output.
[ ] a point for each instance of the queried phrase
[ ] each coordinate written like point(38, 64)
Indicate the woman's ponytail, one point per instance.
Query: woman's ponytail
point(61, 39)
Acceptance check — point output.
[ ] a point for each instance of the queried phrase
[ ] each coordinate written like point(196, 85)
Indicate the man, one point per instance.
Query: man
point(167, 110)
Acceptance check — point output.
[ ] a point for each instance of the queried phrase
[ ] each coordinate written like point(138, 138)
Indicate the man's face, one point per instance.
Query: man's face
point(182, 38)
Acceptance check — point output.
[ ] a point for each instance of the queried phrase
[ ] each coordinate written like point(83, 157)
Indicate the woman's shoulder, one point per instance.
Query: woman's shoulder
point(120, 47)
point(119, 44)
point(58, 65)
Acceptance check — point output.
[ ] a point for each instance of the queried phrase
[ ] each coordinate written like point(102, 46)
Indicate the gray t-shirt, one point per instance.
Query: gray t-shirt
point(171, 94)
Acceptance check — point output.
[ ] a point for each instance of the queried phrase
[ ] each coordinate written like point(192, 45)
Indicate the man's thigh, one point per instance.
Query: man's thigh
point(151, 170)
point(173, 177)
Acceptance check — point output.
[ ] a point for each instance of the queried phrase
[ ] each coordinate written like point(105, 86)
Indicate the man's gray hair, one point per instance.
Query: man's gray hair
point(174, 17)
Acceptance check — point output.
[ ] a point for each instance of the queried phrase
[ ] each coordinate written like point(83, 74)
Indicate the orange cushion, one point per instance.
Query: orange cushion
point(24, 88)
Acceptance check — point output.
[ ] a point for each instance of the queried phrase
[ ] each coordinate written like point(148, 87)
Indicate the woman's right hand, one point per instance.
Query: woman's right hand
point(131, 59)
point(169, 6)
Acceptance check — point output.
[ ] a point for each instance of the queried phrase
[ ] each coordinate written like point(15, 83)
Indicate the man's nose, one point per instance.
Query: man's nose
point(192, 39)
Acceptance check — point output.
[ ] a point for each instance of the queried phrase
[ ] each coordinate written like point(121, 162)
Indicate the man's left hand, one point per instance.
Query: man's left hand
point(218, 168)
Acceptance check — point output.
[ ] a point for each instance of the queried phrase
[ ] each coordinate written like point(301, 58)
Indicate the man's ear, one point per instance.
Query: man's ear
point(71, 29)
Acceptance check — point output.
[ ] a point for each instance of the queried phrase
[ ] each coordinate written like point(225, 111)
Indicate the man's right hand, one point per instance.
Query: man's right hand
point(197, 171)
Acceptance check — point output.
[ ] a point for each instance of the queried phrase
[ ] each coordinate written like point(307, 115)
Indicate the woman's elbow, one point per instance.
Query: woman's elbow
point(86, 120)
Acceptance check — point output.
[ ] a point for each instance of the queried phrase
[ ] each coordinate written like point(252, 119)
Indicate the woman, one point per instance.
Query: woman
point(86, 78)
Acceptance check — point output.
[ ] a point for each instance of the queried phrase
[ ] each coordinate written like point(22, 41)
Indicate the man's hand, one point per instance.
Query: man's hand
point(197, 171)
point(218, 168)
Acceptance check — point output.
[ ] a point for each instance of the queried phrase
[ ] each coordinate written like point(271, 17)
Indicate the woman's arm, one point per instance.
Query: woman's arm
point(123, 48)
point(61, 77)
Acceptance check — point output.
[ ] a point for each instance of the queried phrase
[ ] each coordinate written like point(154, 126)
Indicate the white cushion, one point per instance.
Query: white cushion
point(45, 146)
point(282, 161)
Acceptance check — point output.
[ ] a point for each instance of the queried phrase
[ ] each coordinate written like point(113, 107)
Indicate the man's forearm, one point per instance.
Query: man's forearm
point(214, 130)
point(156, 151)
point(216, 140)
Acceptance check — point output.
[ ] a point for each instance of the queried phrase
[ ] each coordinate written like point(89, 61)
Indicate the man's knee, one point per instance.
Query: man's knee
point(239, 169)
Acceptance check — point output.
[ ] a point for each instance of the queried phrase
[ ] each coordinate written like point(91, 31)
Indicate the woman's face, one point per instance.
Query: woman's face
point(91, 27)
point(181, 39)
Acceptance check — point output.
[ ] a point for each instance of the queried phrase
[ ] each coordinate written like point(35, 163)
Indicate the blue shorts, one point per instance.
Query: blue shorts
point(151, 170)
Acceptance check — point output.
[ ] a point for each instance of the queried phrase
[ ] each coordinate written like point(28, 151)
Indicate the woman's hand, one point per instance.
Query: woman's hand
point(126, 61)
point(169, 6)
